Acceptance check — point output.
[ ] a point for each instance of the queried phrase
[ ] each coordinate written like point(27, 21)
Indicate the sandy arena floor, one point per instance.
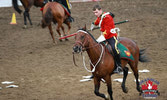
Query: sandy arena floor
point(45, 71)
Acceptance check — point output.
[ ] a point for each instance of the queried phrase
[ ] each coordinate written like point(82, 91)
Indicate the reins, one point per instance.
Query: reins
point(94, 66)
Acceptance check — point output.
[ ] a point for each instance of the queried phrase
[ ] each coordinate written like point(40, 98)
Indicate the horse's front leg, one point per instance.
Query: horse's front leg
point(109, 87)
point(25, 19)
point(125, 74)
point(69, 27)
point(58, 29)
point(62, 27)
point(26, 15)
point(97, 86)
point(133, 66)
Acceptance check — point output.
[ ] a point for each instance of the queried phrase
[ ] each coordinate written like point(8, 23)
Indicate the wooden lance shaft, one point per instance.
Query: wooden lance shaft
point(93, 29)
point(67, 36)
point(115, 24)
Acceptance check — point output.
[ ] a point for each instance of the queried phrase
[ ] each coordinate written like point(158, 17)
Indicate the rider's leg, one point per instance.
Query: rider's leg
point(67, 5)
point(113, 42)
point(59, 1)
point(45, 1)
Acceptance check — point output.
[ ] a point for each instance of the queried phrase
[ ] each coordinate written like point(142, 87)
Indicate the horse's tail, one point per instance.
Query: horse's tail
point(142, 56)
point(16, 7)
point(47, 18)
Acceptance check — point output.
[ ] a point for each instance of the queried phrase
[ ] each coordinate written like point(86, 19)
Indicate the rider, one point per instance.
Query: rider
point(66, 4)
point(106, 24)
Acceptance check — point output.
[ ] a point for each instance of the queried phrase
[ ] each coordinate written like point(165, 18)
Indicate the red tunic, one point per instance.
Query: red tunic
point(107, 24)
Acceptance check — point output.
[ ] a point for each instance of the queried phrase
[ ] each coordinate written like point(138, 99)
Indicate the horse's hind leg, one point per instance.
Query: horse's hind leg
point(62, 27)
point(51, 32)
point(26, 15)
point(133, 66)
point(58, 28)
point(97, 86)
point(69, 27)
point(125, 74)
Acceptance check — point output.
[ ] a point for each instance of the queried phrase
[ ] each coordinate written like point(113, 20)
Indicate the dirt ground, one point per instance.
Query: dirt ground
point(45, 71)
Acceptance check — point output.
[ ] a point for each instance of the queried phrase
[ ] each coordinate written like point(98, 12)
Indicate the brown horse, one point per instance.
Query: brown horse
point(55, 12)
point(103, 62)
point(27, 5)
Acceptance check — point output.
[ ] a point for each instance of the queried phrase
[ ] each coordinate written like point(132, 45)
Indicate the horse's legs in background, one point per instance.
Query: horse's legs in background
point(69, 27)
point(51, 32)
point(133, 66)
point(97, 86)
point(62, 27)
point(109, 87)
point(58, 28)
point(125, 74)
point(26, 15)
point(25, 20)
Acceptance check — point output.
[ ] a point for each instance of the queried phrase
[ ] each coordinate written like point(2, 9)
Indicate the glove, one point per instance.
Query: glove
point(92, 26)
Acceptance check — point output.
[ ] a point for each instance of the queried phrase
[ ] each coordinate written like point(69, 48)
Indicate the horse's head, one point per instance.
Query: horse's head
point(81, 41)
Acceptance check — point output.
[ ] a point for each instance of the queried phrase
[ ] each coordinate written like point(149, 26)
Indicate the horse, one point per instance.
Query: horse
point(102, 61)
point(27, 4)
point(56, 13)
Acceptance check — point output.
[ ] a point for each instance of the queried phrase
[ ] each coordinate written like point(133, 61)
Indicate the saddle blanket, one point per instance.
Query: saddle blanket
point(124, 52)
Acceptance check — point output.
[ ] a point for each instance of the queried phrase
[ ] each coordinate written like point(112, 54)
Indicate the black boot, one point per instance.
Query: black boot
point(70, 19)
point(45, 1)
point(118, 64)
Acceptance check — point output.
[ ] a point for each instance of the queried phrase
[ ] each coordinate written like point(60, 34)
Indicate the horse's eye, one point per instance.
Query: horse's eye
point(82, 37)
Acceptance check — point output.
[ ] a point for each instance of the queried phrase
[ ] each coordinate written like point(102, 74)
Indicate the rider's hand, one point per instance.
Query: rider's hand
point(92, 26)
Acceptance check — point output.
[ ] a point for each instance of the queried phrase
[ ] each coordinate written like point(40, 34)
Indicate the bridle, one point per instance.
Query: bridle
point(82, 44)
point(86, 48)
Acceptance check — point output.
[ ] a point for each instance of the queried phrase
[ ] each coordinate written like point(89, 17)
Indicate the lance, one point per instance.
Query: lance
point(114, 24)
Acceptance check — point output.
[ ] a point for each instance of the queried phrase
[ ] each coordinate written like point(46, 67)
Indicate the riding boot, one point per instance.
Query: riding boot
point(45, 1)
point(118, 64)
point(70, 19)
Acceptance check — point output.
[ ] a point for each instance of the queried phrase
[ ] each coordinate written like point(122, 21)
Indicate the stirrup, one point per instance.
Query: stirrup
point(70, 19)
point(118, 70)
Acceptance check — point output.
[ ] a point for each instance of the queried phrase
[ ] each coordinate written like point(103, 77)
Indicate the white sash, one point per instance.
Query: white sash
point(102, 18)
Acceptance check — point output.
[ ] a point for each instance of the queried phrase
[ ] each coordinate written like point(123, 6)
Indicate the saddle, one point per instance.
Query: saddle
point(124, 52)
point(66, 11)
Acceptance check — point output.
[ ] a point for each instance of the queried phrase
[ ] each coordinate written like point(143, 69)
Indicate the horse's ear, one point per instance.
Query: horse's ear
point(84, 27)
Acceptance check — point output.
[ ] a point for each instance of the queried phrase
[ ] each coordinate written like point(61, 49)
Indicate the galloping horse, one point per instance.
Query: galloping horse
point(103, 62)
point(55, 12)
point(27, 5)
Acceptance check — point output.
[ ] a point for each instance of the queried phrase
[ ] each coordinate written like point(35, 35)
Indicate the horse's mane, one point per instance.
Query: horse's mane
point(88, 33)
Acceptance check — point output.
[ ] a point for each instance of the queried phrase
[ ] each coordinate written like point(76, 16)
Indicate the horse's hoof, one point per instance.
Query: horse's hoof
point(31, 26)
point(125, 90)
point(60, 40)
point(54, 42)
point(139, 89)
point(25, 26)
point(140, 93)
point(66, 39)
point(107, 97)
point(158, 93)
